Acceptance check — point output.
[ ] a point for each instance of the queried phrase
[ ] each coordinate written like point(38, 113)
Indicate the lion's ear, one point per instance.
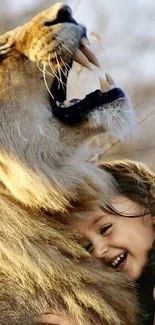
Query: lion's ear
point(7, 42)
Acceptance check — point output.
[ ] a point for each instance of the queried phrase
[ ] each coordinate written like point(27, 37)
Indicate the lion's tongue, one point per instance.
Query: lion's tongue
point(74, 100)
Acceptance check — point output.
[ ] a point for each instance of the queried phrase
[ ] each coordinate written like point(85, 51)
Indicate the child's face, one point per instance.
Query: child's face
point(121, 242)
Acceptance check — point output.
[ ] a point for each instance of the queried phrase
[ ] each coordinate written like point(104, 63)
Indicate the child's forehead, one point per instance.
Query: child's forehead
point(119, 207)
point(124, 205)
point(92, 218)
point(97, 216)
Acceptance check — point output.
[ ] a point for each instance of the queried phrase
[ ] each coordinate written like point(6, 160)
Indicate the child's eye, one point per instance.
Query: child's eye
point(88, 247)
point(104, 229)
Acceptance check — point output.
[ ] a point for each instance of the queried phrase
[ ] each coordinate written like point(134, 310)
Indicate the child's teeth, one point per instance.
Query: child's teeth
point(117, 259)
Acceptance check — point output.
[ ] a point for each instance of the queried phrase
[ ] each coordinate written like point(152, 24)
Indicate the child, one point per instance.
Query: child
point(121, 234)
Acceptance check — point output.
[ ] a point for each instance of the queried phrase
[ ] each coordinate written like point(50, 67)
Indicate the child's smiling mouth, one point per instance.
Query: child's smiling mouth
point(118, 262)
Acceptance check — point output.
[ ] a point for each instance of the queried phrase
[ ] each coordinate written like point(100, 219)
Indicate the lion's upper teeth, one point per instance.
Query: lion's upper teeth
point(80, 58)
point(84, 56)
point(90, 56)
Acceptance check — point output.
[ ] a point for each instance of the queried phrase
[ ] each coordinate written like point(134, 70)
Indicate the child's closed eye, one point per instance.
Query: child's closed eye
point(104, 229)
point(88, 247)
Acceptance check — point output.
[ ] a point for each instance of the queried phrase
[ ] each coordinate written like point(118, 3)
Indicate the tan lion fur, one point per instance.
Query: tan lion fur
point(43, 177)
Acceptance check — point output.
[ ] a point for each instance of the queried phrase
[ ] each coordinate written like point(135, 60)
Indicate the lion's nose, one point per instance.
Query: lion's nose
point(64, 14)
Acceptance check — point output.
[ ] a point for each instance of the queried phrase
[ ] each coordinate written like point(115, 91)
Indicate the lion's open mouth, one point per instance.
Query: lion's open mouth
point(75, 111)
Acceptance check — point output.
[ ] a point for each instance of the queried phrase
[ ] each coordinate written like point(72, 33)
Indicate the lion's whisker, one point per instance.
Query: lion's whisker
point(66, 75)
point(67, 49)
point(46, 71)
point(65, 64)
point(52, 67)
point(62, 44)
point(64, 72)
point(44, 76)
point(54, 71)
point(39, 66)
point(59, 71)
point(66, 68)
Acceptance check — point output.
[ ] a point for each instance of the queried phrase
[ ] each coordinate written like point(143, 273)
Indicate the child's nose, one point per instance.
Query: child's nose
point(100, 248)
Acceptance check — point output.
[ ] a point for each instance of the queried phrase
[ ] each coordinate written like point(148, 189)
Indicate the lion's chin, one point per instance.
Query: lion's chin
point(76, 111)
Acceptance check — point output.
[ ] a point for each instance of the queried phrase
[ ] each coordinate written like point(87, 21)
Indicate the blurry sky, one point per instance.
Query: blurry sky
point(122, 35)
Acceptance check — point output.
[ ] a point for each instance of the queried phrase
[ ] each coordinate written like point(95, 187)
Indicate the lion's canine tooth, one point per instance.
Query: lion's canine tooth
point(104, 84)
point(109, 79)
point(90, 56)
point(81, 59)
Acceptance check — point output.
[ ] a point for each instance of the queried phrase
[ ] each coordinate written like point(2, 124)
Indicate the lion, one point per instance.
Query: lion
point(45, 176)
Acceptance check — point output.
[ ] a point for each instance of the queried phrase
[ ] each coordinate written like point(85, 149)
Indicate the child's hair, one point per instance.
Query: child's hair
point(135, 181)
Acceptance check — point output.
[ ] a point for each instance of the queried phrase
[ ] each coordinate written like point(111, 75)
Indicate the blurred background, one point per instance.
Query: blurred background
point(122, 35)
